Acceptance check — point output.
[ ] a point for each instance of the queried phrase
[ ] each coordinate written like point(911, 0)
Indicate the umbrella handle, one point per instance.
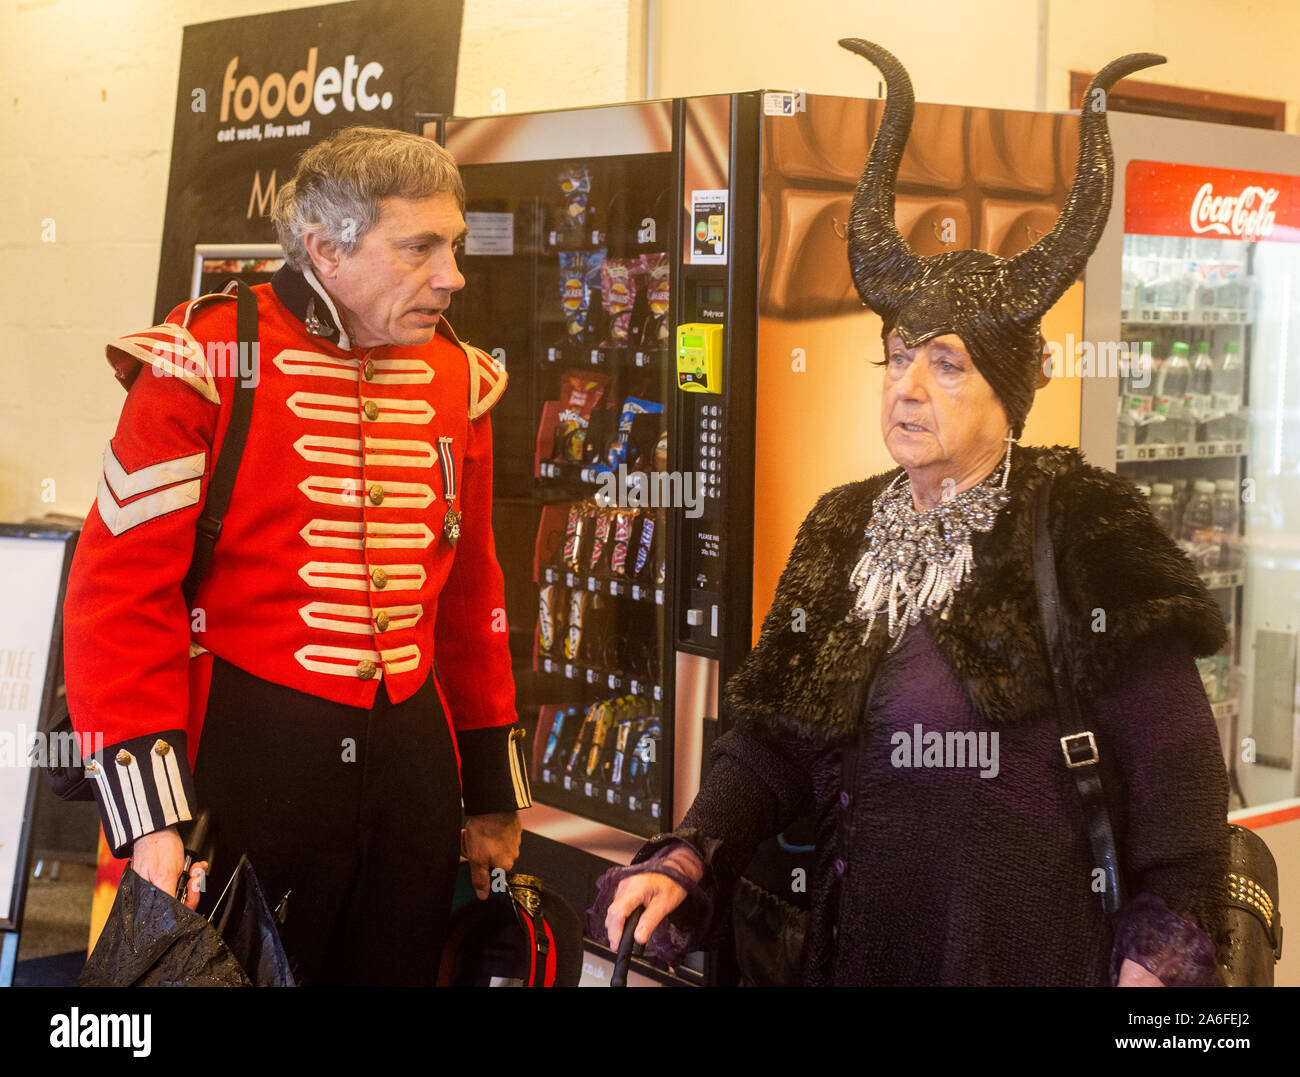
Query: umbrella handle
point(628, 948)
point(198, 838)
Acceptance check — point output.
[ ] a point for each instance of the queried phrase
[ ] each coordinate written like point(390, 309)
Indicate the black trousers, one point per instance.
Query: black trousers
point(355, 814)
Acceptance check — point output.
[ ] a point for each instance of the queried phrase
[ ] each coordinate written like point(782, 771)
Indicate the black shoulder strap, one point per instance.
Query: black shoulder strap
point(1078, 742)
point(222, 482)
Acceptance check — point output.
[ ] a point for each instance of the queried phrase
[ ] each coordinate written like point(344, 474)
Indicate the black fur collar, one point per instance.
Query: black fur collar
point(1121, 578)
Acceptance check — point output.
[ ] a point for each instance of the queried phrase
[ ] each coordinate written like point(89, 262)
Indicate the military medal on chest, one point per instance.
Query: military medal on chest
point(451, 520)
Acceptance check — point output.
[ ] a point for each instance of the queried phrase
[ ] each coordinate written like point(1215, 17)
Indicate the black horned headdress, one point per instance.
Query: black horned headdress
point(993, 304)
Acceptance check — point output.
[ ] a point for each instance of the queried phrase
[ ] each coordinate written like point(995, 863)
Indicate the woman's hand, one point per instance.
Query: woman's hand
point(658, 893)
point(1131, 974)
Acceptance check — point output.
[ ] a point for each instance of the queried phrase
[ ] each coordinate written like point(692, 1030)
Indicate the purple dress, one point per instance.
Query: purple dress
point(955, 852)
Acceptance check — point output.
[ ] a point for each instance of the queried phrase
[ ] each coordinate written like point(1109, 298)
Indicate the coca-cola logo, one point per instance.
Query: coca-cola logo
point(1248, 215)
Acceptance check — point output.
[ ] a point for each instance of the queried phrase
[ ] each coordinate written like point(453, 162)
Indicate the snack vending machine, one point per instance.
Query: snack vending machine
point(599, 272)
point(667, 285)
point(1197, 278)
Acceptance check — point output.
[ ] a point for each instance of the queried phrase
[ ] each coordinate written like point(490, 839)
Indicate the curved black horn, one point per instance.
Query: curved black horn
point(1038, 277)
point(879, 257)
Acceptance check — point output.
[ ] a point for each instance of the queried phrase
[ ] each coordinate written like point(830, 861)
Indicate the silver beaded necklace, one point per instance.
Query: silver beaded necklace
point(916, 562)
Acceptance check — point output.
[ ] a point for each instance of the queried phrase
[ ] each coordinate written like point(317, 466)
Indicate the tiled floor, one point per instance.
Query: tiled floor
point(55, 925)
point(56, 918)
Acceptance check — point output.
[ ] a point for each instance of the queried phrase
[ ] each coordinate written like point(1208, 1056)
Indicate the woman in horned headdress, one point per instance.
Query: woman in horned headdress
point(922, 630)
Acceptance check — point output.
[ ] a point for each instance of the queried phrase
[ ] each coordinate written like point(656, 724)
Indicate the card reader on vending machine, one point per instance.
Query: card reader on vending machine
point(700, 380)
point(699, 357)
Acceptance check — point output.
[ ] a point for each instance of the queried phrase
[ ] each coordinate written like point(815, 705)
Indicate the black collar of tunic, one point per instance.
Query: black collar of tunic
point(295, 291)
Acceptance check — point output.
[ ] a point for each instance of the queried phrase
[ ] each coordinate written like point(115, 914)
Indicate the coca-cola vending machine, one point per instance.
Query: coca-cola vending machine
point(1197, 284)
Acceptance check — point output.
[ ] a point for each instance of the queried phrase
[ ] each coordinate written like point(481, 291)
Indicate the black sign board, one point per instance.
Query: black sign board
point(255, 92)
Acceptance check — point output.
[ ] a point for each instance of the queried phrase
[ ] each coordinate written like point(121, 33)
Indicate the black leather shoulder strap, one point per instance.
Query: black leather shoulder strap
point(1078, 743)
point(222, 482)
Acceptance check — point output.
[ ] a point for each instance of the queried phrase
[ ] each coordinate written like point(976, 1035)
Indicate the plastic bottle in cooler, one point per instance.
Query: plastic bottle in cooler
point(1225, 390)
point(1234, 288)
point(1203, 274)
point(1137, 402)
point(1130, 288)
point(1175, 376)
point(1144, 258)
point(1126, 425)
point(1162, 506)
point(1227, 668)
point(1227, 518)
point(1199, 538)
point(1197, 403)
point(1150, 426)
point(1182, 493)
point(1134, 403)
point(1174, 290)
point(1207, 274)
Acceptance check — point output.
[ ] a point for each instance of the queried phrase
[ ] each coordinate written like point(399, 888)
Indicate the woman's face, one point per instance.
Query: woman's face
point(940, 419)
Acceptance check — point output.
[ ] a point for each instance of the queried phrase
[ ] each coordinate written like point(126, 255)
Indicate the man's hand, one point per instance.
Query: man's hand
point(490, 841)
point(160, 858)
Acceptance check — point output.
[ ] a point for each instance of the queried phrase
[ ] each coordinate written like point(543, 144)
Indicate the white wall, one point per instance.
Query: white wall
point(956, 52)
point(976, 52)
point(86, 103)
point(87, 97)
point(1227, 46)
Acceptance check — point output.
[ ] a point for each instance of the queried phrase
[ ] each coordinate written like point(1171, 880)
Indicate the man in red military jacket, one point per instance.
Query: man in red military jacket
point(298, 699)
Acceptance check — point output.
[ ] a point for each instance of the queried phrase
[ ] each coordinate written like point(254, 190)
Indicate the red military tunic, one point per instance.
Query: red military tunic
point(335, 572)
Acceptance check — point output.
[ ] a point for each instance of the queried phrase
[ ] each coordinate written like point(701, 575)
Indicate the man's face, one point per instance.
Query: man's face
point(938, 415)
point(394, 287)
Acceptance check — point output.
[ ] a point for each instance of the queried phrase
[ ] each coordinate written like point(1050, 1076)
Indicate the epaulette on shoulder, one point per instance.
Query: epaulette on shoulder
point(170, 348)
point(487, 377)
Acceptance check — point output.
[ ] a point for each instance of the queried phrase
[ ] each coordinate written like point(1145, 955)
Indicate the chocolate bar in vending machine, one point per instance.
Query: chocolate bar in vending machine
point(550, 600)
point(578, 600)
point(557, 739)
point(599, 543)
point(572, 536)
point(623, 521)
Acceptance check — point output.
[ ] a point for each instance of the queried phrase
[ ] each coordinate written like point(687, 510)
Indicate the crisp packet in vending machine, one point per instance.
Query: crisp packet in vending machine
point(579, 281)
point(619, 280)
point(575, 186)
point(657, 273)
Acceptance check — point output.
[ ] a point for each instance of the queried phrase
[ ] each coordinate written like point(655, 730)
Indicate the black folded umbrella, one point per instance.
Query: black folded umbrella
point(153, 940)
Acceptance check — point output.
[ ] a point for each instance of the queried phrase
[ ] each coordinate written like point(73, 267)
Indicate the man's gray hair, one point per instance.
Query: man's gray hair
point(341, 181)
